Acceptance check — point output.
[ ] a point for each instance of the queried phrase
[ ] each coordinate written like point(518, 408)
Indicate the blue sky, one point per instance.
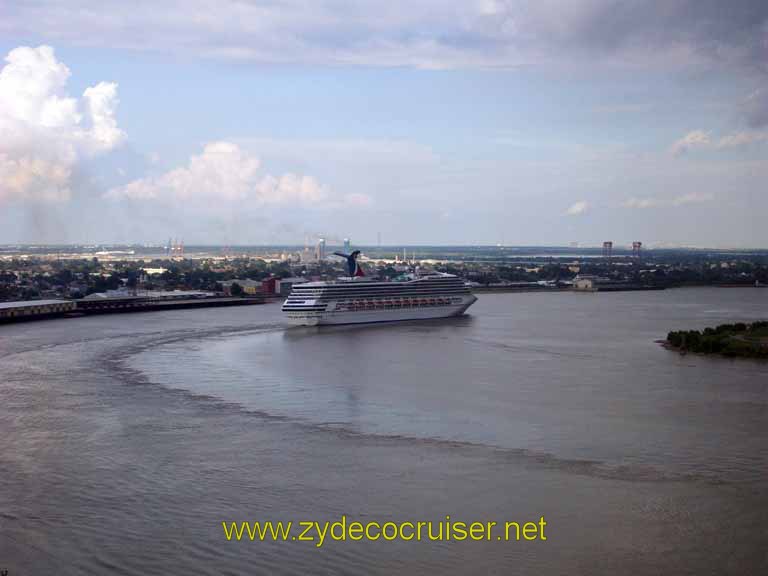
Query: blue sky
point(440, 122)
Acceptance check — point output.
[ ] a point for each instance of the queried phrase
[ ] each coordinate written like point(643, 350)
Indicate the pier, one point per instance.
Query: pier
point(43, 309)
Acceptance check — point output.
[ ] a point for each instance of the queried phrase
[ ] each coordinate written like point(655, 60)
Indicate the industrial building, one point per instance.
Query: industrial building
point(269, 286)
point(151, 294)
point(585, 283)
point(14, 311)
point(250, 287)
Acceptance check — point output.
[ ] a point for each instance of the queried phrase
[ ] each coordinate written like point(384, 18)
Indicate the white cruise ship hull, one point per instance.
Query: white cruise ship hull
point(332, 316)
point(358, 300)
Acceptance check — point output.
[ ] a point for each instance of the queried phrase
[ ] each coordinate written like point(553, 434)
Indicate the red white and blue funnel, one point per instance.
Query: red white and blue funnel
point(352, 265)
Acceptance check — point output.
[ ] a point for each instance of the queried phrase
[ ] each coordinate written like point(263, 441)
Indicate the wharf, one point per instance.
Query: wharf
point(43, 309)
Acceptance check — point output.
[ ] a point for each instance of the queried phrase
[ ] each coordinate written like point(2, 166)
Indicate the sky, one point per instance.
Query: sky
point(238, 122)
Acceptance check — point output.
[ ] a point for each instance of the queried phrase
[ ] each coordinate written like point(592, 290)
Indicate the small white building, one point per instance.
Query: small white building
point(585, 283)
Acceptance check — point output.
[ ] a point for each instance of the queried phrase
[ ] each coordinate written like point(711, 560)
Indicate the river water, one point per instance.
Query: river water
point(126, 440)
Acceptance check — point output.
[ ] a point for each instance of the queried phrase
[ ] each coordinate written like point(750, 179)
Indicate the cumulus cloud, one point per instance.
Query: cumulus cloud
point(695, 139)
point(101, 103)
point(45, 133)
point(681, 200)
point(222, 173)
point(577, 208)
point(422, 33)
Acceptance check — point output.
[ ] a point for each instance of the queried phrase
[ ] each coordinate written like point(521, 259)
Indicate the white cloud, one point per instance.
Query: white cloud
point(290, 188)
point(700, 139)
point(490, 7)
point(577, 208)
point(641, 203)
point(364, 172)
point(44, 133)
point(741, 139)
point(34, 177)
point(222, 173)
point(693, 198)
point(694, 139)
point(101, 102)
point(419, 33)
point(681, 200)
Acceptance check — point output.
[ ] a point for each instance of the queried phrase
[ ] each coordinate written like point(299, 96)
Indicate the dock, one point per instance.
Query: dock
point(44, 309)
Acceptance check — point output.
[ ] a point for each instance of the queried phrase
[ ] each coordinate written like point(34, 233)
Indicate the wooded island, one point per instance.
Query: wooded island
point(739, 339)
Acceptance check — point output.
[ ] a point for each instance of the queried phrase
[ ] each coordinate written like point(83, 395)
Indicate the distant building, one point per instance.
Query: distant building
point(307, 256)
point(154, 271)
point(269, 286)
point(320, 249)
point(75, 290)
point(250, 287)
point(346, 246)
point(585, 283)
point(124, 293)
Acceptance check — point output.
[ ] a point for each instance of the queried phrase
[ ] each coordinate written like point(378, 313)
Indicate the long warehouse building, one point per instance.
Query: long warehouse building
point(14, 311)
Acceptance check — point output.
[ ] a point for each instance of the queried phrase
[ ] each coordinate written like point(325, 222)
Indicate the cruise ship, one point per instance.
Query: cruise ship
point(358, 299)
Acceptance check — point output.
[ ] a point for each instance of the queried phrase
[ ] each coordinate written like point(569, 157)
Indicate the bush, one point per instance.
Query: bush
point(737, 348)
point(693, 339)
point(675, 338)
